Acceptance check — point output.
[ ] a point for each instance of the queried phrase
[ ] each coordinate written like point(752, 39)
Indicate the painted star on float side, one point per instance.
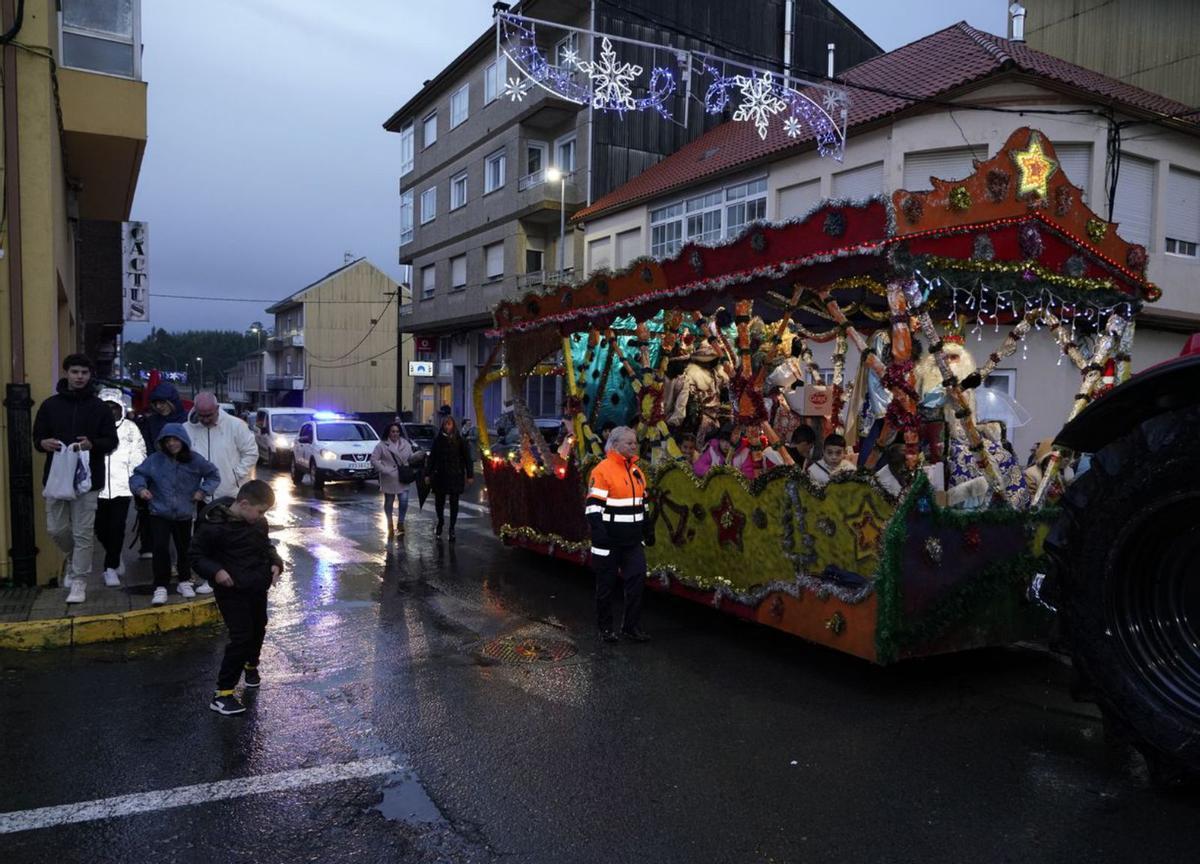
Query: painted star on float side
point(1036, 168)
point(867, 528)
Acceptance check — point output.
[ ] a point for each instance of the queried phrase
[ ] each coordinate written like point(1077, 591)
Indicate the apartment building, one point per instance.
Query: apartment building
point(479, 209)
point(74, 122)
point(335, 344)
point(899, 143)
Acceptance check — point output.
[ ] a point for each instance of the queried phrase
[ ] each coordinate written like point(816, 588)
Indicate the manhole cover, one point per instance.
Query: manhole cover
point(527, 649)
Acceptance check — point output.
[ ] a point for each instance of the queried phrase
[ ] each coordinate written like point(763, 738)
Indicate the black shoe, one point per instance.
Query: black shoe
point(437, 532)
point(451, 535)
point(251, 677)
point(635, 635)
point(227, 705)
point(608, 636)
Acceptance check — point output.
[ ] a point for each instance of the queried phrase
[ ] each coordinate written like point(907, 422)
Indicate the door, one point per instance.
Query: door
point(533, 260)
point(460, 393)
point(537, 154)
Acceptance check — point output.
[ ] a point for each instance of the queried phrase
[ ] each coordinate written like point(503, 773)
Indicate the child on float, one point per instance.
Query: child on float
point(833, 461)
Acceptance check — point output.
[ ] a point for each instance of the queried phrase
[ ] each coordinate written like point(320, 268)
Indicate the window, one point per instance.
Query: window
point(599, 253)
point(103, 36)
point(445, 348)
point(952, 164)
point(428, 281)
point(459, 103)
point(406, 217)
point(543, 395)
point(494, 79)
point(564, 154)
point(493, 258)
point(1075, 161)
point(429, 130)
point(493, 172)
point(429, 205)
point(704, 218)
point(535, 160)
point(458, 273)
point(629, 246)
point(1183, 213)
point(534, 259)
point(859, 183)
point(798, 200)
point(749, 205)
point(565, 50)
point(458, 190)
point(1134, 204)
point(666, 230)
point(406, 149)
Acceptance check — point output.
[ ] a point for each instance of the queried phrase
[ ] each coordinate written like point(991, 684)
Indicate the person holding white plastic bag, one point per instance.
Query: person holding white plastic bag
point(75, 418)
point(112, 514)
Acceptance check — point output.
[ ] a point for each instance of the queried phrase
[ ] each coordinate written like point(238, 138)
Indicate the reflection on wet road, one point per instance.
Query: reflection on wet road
point(518, 736)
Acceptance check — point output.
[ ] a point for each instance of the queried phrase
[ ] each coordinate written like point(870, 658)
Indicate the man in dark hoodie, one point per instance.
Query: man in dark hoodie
point(75, 417)
point(232, 551)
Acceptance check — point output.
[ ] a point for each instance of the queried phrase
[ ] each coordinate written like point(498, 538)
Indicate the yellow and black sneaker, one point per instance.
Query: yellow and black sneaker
point(224, 702)
point(251, 677)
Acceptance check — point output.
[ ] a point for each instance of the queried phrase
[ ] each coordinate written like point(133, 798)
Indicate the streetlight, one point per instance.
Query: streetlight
point(200, 360)
point(556, 175)
point(257, 330)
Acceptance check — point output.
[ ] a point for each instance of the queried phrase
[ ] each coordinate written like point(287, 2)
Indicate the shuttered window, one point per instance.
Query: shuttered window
point(859, 183)
point(952, 164)
point(458, 273)
point(1075, 160)
point(494, 263)
point(629, 247)
point(1183, 213)
point(1134, 205)
point(600, 253)
point(795, 201)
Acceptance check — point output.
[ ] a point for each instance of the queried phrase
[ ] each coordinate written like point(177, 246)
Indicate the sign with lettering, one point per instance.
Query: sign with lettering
point(425, 343)
point(135, 271)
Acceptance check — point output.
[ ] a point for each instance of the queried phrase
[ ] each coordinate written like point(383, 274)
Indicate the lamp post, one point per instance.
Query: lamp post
point(200, 360)
point(555, 174)
point(257, 329)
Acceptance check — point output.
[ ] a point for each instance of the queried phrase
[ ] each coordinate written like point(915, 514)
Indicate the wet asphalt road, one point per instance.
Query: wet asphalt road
point(717, 742)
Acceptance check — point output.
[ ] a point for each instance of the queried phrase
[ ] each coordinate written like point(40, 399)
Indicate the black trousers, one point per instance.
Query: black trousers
point(245, 614)
point(439, 500)
point(111, 516)
point(145, 541)
point(162, 532)
point(626, 564)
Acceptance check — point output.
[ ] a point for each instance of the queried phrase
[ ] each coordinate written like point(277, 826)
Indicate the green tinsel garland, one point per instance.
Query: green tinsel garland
point(887, 583)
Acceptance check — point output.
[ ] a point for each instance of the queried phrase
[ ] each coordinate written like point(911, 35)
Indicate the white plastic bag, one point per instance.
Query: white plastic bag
point(60, 484)
point(83, 471)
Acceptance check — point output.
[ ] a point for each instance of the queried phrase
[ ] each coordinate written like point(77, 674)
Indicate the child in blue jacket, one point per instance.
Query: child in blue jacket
point(171, 481)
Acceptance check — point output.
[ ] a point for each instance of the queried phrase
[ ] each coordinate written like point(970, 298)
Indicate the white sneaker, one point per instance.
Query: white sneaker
point(78, 591)
point(111, 579)
point(159, 598)
point(186, 590)
point(202, 587)
point(68, 576)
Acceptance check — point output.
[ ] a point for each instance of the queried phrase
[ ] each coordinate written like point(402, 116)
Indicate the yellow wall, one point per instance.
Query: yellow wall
point(337, 316)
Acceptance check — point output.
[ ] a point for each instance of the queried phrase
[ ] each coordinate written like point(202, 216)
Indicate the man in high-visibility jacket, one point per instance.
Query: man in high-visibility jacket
point(616, 514)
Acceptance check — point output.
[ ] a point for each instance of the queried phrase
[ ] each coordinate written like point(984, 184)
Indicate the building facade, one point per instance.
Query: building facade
point(1149, 45)
point(480, 214)
point(900, 143)
point(74, 122)
point(334, 345)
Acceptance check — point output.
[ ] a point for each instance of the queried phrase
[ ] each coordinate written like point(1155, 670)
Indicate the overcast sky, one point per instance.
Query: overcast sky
point(267, 160)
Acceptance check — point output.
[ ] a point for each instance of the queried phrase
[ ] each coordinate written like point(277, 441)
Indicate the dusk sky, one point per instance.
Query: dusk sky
point(267, 160)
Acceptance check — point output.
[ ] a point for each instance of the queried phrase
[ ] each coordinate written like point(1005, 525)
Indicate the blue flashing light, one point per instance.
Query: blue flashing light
point(326, 415)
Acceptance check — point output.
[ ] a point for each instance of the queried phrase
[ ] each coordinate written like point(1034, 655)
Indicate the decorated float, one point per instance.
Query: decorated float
point(717, 338)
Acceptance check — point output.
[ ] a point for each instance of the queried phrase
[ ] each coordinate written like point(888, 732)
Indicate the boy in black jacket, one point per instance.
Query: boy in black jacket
point(232, 551)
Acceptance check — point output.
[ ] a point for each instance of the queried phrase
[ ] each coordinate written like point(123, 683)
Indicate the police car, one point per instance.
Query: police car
point(334, 448)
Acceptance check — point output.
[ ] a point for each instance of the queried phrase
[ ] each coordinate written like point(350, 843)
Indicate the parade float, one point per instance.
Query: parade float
point(945, 564)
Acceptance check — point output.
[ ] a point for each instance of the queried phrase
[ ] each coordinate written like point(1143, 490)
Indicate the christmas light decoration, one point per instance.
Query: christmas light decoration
point(1035, 167)
point(610, 79)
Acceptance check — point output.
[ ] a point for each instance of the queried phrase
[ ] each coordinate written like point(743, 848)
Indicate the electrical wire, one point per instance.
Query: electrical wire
point(374, 323)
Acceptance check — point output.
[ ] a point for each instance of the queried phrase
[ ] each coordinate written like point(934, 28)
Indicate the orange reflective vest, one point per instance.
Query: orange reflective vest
point(615, 508)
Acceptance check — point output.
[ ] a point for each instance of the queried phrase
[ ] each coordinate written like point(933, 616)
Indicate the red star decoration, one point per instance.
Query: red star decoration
point(730, 522)
point(867, 529)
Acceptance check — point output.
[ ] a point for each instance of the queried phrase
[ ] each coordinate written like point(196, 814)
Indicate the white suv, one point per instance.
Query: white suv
point(333, 449)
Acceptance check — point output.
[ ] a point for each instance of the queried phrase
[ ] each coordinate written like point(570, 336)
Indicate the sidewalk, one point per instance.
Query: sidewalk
point(32, 618)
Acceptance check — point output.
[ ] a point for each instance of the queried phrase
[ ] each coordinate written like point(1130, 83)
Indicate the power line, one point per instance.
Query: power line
point(270, 301)
point(374, 323)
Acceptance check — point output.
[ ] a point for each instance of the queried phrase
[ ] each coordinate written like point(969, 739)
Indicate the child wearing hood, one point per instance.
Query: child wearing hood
point(171, 481)
point(113, 510)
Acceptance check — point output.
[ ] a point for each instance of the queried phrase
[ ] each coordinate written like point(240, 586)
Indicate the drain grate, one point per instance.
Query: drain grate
point(527, 649)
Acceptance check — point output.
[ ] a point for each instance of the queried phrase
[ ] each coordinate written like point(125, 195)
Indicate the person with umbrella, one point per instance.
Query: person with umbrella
point(448, 470)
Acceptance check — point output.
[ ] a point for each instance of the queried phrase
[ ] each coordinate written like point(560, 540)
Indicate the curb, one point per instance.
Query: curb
point(86, 629)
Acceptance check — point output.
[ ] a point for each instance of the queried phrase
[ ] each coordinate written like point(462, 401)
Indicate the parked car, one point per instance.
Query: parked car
point(275, 432)
point(419, 435)
point(332, 448)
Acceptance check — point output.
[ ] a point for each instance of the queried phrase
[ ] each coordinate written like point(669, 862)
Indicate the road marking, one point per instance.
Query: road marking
point(201, 793)
point(471, 506)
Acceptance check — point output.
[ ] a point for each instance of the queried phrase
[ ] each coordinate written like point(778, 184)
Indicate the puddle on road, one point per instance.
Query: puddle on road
point(404, 800)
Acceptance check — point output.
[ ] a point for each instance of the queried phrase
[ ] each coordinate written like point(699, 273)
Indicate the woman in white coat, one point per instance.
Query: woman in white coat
point(390, 458)
point(112, 512)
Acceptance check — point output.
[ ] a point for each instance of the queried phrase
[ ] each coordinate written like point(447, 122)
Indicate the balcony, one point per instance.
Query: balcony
point(539, 279)
point(285, 382)
point(540, 200)
point(295, 339)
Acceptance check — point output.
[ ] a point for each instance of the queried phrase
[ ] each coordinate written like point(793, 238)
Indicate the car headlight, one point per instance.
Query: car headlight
point(280, 441)
point(329, 455)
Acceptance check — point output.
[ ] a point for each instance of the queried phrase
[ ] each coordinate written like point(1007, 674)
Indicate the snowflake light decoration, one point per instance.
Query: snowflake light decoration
point(834, 100)
point(516, 88)
point(610, 79)
point(759, 101)
point(792, 127)
point(570, 58)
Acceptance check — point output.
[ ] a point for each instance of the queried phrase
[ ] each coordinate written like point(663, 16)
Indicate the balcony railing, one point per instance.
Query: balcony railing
point(406, 309)
point(541, 278)
point(295, 339)
point(285, 382)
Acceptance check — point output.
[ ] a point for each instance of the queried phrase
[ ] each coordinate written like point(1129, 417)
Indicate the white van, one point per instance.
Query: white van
point(275, 433)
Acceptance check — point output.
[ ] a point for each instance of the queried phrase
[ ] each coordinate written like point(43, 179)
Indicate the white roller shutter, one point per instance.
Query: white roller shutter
point(1183, 206)
point(599, 253)
point(495, 260)
point(943, 164)
point(795, 201)
point(1134, 207)
point(859, 183)
point(1075, 160)
point(629, 247)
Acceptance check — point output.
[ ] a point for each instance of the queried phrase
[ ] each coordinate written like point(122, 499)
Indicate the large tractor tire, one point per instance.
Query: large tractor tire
point(1127, 550)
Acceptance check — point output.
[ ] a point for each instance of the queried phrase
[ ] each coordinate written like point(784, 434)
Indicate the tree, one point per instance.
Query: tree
point(177, 352)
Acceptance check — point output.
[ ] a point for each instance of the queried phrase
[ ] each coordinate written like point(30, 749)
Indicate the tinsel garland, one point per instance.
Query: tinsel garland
point(840, 391)
point(1122, 356)
point(887, 582)
point(1030, 241)
point(529, 535)
point(960, 198)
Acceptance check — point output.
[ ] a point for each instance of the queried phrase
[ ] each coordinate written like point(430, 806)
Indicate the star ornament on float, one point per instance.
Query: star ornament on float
point(1036, 168)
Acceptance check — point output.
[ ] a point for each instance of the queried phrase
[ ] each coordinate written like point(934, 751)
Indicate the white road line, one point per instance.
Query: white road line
point(471, 506)
point(201, 793)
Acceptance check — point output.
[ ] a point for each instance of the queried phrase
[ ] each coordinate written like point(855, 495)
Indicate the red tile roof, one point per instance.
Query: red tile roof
point(929, 68)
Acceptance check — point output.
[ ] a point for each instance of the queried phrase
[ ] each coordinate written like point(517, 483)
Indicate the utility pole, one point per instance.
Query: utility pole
point(399, 295)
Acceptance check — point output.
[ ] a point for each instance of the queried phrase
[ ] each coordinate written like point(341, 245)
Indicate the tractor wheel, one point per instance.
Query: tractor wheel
point(1127, 549)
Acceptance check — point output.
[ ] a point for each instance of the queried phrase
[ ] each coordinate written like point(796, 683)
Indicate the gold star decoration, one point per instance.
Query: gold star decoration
point(1035, 166)
point(867, 529)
